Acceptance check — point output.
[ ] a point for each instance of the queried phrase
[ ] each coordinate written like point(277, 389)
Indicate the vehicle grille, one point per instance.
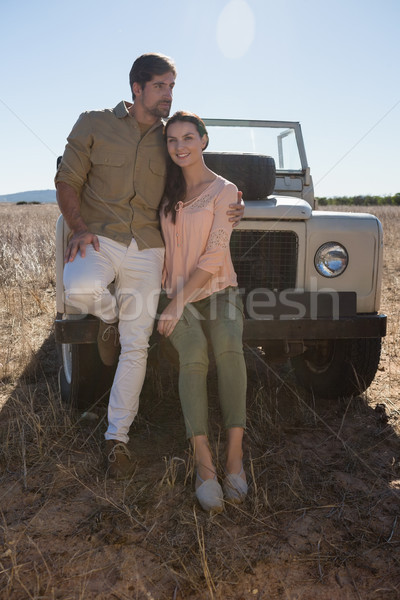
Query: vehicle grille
point(265, 259)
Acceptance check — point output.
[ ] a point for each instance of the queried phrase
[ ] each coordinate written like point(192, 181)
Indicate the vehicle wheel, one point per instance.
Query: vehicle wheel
point(338, 368)
point(84, 381)
point(253, 174)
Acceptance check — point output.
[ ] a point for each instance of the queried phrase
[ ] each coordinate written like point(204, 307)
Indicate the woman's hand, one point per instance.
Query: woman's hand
point(237, 210)
point(190, 292)
point(169, 318)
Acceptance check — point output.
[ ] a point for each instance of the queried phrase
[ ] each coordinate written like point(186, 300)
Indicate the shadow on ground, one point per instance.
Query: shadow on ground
point(320, 520)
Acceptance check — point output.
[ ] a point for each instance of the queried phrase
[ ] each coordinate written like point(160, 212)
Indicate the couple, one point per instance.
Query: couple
point(110, 185)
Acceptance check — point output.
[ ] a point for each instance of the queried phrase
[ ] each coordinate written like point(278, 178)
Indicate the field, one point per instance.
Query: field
point(321, 518)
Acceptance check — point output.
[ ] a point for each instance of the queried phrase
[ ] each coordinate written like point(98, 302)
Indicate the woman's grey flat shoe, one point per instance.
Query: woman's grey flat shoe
point(210, 495)
point(235, 488)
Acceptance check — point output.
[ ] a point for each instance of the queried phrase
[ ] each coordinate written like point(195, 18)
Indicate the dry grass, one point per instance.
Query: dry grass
point(27, 284)
point(320, 520)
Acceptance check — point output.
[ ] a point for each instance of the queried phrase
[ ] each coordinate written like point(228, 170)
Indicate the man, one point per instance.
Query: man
point(109, 186)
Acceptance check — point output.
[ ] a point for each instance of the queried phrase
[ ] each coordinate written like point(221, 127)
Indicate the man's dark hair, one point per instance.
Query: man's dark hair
point(148, 65)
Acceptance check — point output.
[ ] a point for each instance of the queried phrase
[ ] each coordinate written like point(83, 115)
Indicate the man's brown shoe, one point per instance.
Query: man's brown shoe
point(108, 343)
point(119, 460)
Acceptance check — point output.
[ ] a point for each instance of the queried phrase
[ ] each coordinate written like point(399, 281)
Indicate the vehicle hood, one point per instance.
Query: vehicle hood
point(278, 207)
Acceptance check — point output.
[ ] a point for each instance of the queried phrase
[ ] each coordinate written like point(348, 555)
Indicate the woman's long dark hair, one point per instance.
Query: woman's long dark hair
point(175, 188)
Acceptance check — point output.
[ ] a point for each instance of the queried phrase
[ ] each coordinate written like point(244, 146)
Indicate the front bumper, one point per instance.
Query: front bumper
point(298, 316)
point(361, 326)
point(255, 331)
point(293, 316)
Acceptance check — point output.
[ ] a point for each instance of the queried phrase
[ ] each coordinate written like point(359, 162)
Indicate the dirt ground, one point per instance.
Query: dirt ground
point(321, 517)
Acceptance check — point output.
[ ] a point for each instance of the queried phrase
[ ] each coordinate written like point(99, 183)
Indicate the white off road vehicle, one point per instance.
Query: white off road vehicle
point(311, 280)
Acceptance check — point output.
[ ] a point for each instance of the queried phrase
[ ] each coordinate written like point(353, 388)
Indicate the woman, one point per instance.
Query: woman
point(202, 297)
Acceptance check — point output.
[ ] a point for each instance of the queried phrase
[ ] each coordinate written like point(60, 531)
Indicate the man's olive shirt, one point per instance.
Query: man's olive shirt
point(118, 175)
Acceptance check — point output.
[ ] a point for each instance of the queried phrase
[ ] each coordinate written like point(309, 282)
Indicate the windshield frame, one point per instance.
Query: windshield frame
point(284, 125)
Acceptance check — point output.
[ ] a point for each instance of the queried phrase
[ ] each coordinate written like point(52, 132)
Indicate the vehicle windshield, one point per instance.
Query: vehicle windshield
point(276, 141)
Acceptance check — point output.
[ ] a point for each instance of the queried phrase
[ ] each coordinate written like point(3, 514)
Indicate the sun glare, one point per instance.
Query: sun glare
point(235, 28)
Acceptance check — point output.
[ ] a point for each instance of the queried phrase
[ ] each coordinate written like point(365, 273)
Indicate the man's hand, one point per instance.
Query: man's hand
point(78, 243)
point(69, 204)
point(237, 210)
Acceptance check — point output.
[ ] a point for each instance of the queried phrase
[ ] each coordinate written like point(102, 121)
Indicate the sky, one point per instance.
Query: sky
point(332, 65)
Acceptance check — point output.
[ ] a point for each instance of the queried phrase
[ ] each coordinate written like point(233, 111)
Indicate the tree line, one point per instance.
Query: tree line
point(361, 200)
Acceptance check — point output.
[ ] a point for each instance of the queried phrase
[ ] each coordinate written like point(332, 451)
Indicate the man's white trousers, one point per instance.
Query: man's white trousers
point(137, 279)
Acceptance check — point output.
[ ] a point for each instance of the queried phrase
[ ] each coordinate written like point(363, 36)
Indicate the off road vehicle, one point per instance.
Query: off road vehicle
point(310, 279)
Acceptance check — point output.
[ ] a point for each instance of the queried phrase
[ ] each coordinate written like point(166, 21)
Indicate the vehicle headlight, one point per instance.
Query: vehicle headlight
point(331, 259)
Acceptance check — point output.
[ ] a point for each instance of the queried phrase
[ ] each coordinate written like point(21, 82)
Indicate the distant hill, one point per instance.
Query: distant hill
point(41, 196)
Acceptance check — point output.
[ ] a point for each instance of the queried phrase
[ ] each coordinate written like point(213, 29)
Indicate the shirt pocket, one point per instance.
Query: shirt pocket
point(108, 174)
point(155, 182)
point(158, 167)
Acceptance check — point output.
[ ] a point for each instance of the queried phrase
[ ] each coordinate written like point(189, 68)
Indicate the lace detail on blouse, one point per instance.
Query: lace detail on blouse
point(219, 238)
point(201, 202)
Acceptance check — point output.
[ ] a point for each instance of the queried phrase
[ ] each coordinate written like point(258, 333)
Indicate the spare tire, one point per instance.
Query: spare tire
point(253, 174)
